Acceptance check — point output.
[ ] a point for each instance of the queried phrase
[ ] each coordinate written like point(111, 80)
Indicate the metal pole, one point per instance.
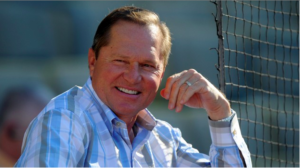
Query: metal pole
point(221, 67)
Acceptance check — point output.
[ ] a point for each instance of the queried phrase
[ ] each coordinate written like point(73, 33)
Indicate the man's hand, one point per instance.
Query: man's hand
point(190, 88)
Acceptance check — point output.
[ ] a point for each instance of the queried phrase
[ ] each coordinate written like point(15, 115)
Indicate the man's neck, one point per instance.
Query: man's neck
point(130, 121)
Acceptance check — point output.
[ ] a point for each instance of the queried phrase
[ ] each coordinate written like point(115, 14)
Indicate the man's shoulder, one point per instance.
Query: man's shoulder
point(164, 126)
point(74, 100)
point(63, 110)
point(162, 123)
point(164, 130)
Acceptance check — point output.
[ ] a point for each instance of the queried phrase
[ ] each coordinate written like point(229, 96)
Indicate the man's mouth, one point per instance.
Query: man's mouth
point(131, 92)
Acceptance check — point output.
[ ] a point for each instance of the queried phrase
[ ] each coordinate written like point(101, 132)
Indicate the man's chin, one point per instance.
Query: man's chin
point(125, 111)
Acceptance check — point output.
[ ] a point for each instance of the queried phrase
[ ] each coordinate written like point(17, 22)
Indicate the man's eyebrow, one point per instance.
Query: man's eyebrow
point(120, 56)
point(150, 62)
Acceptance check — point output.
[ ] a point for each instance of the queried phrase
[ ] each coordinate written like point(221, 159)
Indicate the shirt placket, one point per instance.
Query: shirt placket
point(121, 129)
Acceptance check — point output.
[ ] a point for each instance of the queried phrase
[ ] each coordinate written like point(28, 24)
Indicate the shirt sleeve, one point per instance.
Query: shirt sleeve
point(54, 139)
point(228, 147)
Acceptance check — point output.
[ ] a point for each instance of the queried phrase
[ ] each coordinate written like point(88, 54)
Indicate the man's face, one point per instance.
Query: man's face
point(128, 71)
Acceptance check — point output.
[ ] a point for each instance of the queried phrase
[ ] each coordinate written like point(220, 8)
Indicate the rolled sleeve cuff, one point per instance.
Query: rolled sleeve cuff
point(226, 133)
point(222, 131)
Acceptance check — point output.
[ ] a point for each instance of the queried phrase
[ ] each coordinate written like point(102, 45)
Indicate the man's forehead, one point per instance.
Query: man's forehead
point(153, 28)
point(126, 31)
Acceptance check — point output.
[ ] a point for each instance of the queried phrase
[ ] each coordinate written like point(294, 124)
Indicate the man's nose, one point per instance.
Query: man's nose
point(132, 74)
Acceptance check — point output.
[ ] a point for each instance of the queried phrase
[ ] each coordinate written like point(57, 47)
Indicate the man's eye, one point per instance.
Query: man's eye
point(120, 61)
point(147, 65)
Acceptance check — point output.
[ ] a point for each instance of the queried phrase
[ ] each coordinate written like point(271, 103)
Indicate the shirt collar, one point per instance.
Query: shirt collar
point(107, 115)
point(145, 118)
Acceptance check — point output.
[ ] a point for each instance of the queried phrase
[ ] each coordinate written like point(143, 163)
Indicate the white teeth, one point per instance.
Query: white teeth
point(128, 91)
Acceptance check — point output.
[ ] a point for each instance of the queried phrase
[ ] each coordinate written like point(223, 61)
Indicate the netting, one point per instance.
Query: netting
point(259, 73)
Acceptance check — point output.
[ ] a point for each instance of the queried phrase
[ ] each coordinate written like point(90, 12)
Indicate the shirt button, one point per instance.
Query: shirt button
point(234, 132)
point(118, 124)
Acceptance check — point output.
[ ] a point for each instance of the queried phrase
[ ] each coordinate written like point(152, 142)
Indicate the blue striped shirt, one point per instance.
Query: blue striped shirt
point(76, 129)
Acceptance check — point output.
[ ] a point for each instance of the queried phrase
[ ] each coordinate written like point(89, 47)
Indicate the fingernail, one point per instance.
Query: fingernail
point(171, 106)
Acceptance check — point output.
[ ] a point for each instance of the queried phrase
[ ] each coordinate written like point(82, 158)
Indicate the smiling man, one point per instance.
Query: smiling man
point(106, 123)
point(127, 72)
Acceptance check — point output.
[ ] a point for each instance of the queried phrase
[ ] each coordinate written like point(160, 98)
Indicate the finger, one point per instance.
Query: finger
point(196, 88)
point(162, 93)
point(179, 105)
point(170, 81)
point(198, 83)
point(175, 88)
point(193, 79)
point(181, 92)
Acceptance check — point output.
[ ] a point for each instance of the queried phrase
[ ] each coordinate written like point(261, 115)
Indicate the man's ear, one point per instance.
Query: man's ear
point(91, 61)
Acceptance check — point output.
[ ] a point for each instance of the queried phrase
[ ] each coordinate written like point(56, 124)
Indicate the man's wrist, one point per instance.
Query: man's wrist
point(228, 118)
point(221, 111)
point(220, 115)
